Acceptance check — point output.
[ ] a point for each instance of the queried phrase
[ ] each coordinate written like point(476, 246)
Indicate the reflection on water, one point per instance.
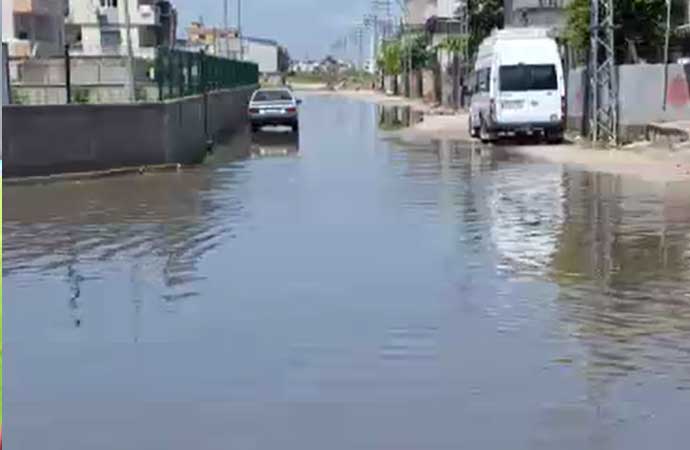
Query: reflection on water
point(623, 264)
point(275, 142)
point(397, 117)
point(369, 294)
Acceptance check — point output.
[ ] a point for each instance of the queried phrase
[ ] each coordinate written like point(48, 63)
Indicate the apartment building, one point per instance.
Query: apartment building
point(33, 28)
point(98, 27)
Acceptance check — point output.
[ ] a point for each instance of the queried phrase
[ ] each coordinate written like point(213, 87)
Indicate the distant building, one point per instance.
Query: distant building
point(98, 27)
point(33, 28)
point(305, 66)
point(540, 13)
point(419, 11)
point(214, 41)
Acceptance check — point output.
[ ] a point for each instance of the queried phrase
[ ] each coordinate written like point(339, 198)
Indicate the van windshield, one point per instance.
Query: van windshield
point(528, 78)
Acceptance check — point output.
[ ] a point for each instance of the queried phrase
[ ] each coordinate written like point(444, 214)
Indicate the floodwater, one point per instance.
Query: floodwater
point(359, 293)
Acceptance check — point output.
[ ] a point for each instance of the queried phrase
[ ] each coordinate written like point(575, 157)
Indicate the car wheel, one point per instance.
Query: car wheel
point(255, 128)
point(295, 127)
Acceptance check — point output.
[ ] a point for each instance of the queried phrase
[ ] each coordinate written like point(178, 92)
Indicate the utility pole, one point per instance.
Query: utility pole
point(131, 94)
point(226, 22)
point(372, 21)
point(386, 8)
point(666, 45)
point(239, 28)
point(602, 78)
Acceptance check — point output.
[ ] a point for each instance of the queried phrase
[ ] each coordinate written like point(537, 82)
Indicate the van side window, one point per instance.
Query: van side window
point(483, 80)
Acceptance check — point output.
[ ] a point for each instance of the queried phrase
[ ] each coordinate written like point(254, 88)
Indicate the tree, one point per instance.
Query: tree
point(390, 59)
point(640, 26)
point(415, 50)
point(485, 16)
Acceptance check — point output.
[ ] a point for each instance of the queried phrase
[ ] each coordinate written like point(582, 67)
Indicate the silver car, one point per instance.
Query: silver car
point(274, 106)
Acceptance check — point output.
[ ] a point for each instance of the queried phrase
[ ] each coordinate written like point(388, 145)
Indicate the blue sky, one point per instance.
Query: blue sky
point(306, 27)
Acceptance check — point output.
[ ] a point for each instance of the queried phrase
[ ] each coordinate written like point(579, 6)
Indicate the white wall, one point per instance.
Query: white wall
point(7, 20)
point(265, 55)
point(447, 8)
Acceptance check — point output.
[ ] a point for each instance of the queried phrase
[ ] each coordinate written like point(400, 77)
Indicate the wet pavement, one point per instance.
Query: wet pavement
point(359, 293)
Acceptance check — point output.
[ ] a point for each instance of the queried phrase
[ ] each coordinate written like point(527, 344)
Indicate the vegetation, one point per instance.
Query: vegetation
point(415, 51)
point(454, 45)
point(485, 16)
point(640, 27)
point(81, 96)
point(390, 59)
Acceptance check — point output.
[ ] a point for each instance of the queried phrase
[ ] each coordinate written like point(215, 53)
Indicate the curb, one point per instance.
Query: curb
point(668, 132)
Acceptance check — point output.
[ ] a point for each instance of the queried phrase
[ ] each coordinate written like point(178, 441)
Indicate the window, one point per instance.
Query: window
point(109, 3)
point(483, 80)
point(110, 39)
point(273, 96)
point(528, 78)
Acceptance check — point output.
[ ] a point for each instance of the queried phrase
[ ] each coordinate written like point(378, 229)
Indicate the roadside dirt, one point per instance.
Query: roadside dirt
point(643, 160)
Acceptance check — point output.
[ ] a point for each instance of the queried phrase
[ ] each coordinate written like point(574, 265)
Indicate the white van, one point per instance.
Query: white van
point(518, 86)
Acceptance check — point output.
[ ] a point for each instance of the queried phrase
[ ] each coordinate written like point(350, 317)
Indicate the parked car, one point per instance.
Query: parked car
point(274, 106)
point(518, 87)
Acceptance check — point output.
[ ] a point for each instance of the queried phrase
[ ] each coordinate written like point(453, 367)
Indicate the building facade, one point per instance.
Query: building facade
point(34, 28)
point(214, 41)
point(98, 27)
point(540, 13)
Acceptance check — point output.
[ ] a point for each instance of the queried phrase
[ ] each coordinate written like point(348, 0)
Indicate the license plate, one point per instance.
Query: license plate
point(512, 104)
point(273, 111)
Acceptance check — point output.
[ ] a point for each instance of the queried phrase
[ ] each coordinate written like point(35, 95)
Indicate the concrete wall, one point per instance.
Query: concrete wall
point(429, 86)
point(415, 80)
point(94, 80)
point(52, 139)
point(641, 97)
point(93, 94)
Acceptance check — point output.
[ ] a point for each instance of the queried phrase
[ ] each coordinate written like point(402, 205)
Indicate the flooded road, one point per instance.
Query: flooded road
point(361, 293)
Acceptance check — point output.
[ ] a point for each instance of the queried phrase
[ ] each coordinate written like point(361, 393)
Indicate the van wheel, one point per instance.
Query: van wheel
point(484, 135)
point(474, 131)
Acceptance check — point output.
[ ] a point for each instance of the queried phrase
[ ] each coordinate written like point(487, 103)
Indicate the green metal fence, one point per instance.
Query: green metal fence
point(181, 73)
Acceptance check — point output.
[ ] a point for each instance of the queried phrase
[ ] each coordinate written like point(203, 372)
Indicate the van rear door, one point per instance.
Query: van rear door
point(528, 93)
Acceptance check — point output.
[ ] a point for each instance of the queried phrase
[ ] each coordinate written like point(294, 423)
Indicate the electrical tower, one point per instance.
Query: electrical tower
point(603, 86)
point(385, 9)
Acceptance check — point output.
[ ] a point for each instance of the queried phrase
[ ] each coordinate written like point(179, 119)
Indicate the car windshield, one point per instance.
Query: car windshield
point(272, 96)
point(528, 78)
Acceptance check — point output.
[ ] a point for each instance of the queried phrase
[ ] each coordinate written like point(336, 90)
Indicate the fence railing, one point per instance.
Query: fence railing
point(180, 73)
